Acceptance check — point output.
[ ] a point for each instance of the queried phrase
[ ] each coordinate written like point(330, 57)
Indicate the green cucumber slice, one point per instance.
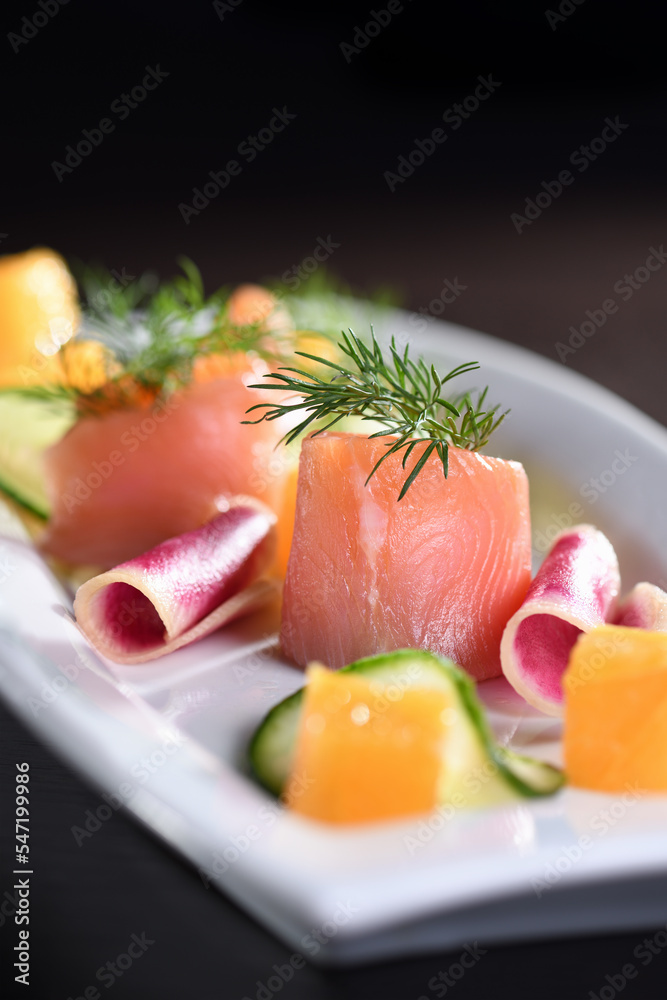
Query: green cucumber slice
point(476, 772)
point(27, 428)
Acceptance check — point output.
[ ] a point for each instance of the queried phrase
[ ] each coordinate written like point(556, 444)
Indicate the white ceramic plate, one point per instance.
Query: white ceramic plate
point(167, 740)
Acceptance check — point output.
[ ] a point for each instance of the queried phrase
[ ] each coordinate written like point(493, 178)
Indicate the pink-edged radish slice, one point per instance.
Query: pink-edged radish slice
point(644, 607)
point(184, 588)
point(574, 590)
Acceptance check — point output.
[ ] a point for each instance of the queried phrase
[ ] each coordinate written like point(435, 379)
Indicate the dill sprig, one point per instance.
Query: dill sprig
point(157, 333)
point(152, 334)
point(60, 398)
point(403, 395)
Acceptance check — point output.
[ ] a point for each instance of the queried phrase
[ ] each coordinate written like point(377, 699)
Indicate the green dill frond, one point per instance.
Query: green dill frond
point(404, 396)
point(156, 331)
point(59, 398)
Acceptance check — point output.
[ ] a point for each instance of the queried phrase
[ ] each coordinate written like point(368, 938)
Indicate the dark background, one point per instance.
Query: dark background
point(324, 174)
point(323, 177)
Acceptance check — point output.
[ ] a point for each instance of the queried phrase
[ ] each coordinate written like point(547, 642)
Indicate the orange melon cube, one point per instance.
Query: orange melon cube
point(362, 757)
point(616, 710)
point(40, 312)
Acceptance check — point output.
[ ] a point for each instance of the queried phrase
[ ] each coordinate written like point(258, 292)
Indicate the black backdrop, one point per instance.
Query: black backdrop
point(360, 101)
point(355, 104)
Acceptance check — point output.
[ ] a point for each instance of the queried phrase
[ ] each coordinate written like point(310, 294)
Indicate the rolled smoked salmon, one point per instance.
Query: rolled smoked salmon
point(122, 482)
point(141, 465)
point(442, 570)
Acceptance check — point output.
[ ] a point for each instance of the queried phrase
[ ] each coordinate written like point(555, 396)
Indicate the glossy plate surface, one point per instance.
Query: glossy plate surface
point(167, 740)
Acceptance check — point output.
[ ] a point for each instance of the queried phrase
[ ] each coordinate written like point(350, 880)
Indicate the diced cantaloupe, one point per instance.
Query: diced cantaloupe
point(361, 756)
point(40, 311)
point(616, 710)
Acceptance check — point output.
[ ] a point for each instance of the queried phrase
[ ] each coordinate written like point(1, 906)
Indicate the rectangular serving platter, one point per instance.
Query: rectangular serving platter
point(167, 740)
